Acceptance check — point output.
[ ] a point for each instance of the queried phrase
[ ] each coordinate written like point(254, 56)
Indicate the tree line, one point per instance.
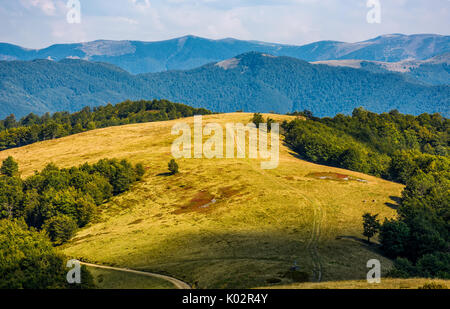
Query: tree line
point(418, 239)
point(390, 145)
point(33, 128)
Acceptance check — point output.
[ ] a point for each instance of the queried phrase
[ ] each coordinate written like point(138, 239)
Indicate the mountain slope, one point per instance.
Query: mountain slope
point(260, 82)
point(261, 223)
point(434, 71)
point(43, 86)
point(250, 82)
point(190, 52)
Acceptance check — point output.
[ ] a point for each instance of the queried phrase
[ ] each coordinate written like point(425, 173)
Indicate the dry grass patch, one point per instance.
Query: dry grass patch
point(387, 283)
point(261, 223)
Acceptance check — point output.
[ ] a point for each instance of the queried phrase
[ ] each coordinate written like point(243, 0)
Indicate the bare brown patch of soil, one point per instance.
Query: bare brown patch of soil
point(334, 176)
point(200, 203)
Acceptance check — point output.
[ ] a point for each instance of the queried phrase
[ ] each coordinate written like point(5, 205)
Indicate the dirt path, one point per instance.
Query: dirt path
point(315, 232)
point(312, 245)
point(318, 218)
point(177, 283)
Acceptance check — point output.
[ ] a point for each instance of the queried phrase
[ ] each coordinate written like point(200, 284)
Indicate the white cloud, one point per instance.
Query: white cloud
point(48, 7)
point(141, 4)
point(36, 23)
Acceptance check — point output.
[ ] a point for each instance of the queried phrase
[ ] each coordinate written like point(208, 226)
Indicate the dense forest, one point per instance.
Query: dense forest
point(390, 145)
point(255, 82)
point(252, 82)
point(30, 261)
point(32, 128)
point(46, 210)
point(413, 150)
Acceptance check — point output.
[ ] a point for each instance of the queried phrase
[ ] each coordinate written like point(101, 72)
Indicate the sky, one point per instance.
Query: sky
point(40, 23)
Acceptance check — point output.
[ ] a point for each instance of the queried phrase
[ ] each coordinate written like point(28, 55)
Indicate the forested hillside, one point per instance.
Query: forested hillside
point(251, 82)
point(42, 86)
point(257, 82)
point(390, 145)
point(46, 210)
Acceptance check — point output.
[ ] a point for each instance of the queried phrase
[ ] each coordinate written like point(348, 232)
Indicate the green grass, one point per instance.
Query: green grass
point(261, 223)
point(112, 279)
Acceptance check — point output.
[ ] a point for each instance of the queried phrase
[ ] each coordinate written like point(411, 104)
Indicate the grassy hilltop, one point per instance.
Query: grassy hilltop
point(221, 223)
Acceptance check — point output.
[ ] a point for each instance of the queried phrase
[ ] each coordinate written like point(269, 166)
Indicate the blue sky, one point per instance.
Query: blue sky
point(39, 23)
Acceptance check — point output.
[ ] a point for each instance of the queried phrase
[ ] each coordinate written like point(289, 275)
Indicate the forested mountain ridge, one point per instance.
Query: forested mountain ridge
point(252, 82)
point(433, 71)
point(41, 86)
point(256, 82)
point(190, 52)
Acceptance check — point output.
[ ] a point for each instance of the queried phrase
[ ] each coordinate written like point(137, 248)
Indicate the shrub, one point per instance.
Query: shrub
point(60, 229)
point(140, 170)
point(433, 286)
point(258, 119)
point(403, 268)
point(173, 167)
point(9, 167)
point(435, 265)
point(119, 174)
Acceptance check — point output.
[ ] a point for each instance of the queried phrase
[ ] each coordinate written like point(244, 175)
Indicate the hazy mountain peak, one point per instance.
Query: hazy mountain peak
point(433, 71)
point(107, 48)
point(189, 52)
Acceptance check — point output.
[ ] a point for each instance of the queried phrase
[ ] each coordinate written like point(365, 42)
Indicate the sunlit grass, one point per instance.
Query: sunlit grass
point(362, 284)
point(260, 224)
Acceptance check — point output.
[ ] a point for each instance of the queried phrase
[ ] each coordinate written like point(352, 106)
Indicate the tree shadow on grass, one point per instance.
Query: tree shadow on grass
point(251, 259)
point(396, 203)
point(374, 247)
point(164, 174)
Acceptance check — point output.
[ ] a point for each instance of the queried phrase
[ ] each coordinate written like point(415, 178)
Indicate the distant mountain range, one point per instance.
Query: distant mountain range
point(434, 71)
point(252, 82)
point(190, 52)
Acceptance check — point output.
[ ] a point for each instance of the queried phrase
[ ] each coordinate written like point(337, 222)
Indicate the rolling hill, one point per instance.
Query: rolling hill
point(190, 52)
point(252, 82)
point(221, 223)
